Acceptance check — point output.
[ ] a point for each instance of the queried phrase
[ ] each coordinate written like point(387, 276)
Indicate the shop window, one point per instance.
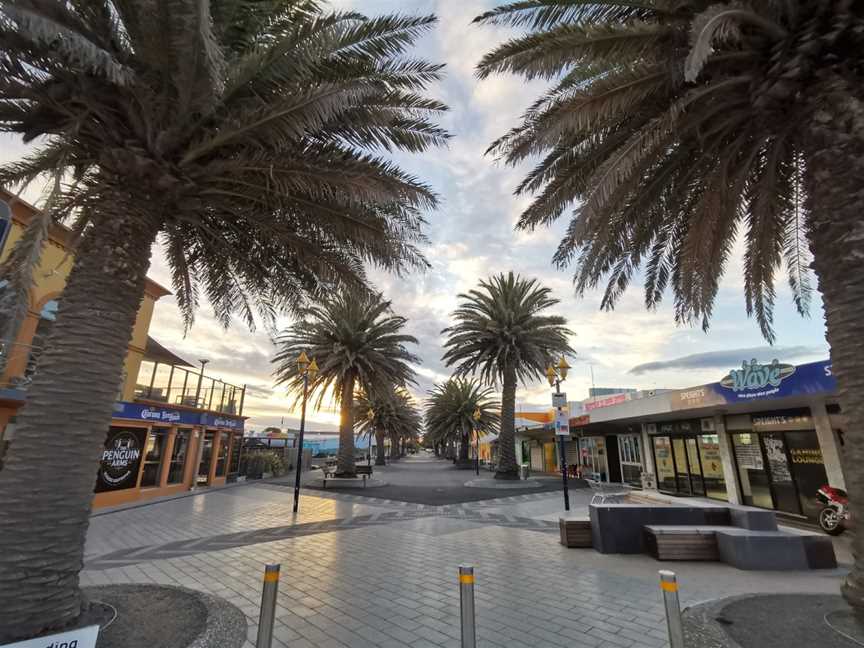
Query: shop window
point(712, 467)
point(153, 455)
point(755, 485)
point(663, 462)
point(206, 457)
point(178, 457)
point(222, 458)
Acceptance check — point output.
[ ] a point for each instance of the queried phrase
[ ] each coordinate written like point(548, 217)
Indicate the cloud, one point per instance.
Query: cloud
point(728, 358)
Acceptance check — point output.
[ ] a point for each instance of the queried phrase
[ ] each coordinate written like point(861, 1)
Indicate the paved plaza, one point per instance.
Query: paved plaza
point(359, 570)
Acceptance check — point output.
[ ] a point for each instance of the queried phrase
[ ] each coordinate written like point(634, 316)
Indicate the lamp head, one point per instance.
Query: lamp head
point(302, 361)
point(312, 369)
point(477, 414)
point(563, 367)
point(550, 375)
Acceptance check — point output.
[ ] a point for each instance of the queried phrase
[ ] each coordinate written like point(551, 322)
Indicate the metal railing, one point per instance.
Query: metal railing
point(176, 385)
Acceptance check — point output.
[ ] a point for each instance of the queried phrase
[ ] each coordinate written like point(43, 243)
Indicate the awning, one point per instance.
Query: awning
point(155, 352)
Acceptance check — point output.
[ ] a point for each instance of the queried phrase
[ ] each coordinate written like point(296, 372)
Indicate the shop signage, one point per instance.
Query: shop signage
point(579, 421)
point(80, 638)
point(781, 420)
point(121, 459)
point(214, 420)
point(606, 402)
point(155, 414)
point(755, 376)
point(806, 455)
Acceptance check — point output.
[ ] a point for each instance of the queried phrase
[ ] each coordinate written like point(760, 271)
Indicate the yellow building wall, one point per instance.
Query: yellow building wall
point(50, 279)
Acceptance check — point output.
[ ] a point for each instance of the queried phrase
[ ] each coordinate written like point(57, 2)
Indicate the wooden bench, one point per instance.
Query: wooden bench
point(682, 542)
point(329, 472)
point(575, 532)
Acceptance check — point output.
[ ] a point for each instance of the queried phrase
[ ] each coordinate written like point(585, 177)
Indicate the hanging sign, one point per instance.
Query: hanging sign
point(562, 422)
point(559, 400)
point(80, 638)
point(121, 458)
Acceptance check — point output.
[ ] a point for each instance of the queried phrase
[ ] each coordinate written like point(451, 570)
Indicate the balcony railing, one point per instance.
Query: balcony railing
point(177, 385)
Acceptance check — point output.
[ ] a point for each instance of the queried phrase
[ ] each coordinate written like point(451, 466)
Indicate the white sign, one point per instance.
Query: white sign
point(562, 422)
point(559, 400)
point(80, 638)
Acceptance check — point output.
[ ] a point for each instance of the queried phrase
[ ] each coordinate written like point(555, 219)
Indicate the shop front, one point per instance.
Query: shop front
point(687, 458)
point(778, 460)
point(154, 451)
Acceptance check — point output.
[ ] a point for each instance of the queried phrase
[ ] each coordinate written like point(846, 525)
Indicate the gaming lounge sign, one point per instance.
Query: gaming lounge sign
point(80, 638)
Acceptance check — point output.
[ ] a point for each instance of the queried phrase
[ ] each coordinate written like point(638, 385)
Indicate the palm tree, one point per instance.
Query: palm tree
point(673, 127)
point(502, 333)
point(358, 344)
point(251, 141)
point(386, 413)
point(450, 413)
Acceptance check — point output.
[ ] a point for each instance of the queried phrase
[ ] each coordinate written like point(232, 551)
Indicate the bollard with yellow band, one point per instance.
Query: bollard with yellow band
point(466, 604)
point(669, 586)
point(268, 606)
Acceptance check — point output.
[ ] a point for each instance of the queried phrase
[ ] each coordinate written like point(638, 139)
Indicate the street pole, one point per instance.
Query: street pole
point(563, 453)
point(476, 452)
point(300, 441)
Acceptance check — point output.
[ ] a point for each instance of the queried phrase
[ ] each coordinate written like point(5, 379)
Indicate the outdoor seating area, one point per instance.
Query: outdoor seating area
point(743, 537)
point(328, 473)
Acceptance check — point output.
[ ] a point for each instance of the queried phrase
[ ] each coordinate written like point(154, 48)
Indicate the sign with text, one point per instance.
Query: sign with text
point(559, 400)
point(562, 422)
point(606, 402)
point(155, 414)
point(121, 459)
point(80, 638)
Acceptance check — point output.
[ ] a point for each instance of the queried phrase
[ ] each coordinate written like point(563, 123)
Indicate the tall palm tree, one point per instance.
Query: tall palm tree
point(386, 413)
point(358, 344)
point(450, 413)
point(502, 333)
point(674, 126)
point(251, 140)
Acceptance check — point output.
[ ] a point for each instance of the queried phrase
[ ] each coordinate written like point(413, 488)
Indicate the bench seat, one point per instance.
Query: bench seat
point(742, 548)
point(575, 531)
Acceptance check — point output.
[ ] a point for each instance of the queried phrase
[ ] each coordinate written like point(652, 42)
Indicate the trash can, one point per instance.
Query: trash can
point(523, 472)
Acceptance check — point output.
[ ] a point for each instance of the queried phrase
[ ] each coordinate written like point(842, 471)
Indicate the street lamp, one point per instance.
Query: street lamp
point(371, 416)
point(308, 369)
point(556, 374)
point(477, 415)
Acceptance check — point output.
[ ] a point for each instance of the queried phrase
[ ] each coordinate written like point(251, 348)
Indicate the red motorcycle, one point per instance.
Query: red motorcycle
point(834, 516)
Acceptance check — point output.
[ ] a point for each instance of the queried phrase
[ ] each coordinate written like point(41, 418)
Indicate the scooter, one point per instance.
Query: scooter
point(834, 516)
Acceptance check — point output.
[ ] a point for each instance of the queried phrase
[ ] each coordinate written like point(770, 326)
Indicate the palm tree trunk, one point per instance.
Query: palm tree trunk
point(507, 468)
point(46, 485)
point(464, 447)
point(394, 447)
point(345, 466)
point(836, 235)
point(380, 455)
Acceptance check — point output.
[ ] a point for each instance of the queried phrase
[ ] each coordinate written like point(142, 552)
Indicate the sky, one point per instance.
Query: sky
point(471, 236)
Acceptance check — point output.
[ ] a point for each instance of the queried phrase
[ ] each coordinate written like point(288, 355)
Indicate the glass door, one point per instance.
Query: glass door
point(682, 470)
point(697, 484)
point(785, 493)
point(663, 462)
point(808, 469)
point(206, 458)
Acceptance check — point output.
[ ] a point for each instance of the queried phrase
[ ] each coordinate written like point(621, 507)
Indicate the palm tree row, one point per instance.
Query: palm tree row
point(387, 414)
point(454, 409)
point(672, 127)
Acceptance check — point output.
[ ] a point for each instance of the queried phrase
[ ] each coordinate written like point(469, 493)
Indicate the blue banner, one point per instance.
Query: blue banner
point(155, 414)
point(755, 381)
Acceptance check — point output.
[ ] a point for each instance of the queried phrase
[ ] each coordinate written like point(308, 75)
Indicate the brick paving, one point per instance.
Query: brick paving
point(366, 572)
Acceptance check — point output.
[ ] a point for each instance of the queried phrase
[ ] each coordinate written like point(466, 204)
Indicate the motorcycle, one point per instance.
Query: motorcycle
point(834, 516)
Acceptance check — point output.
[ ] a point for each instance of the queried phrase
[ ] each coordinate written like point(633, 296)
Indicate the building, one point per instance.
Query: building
point(173, 428)
point(765, 434)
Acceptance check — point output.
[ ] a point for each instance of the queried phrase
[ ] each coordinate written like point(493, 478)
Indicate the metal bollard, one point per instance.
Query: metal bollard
point(669, 585)
point(268, 606)
point(466, 604)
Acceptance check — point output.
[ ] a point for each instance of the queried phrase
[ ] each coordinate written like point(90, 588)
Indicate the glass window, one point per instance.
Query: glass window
point(808, 469)
point(153, 454)
point(712, 467)
point(222, 459)
point(755, 487)
point(178, 457)
point(206, 457)
point(663, 461)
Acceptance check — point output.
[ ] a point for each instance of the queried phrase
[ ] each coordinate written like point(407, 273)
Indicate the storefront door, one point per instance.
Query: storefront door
point(689, 465)
point(682, 466)
point(206, 459)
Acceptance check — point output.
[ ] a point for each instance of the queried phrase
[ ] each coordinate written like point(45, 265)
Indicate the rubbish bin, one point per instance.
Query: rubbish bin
point(523, 472)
